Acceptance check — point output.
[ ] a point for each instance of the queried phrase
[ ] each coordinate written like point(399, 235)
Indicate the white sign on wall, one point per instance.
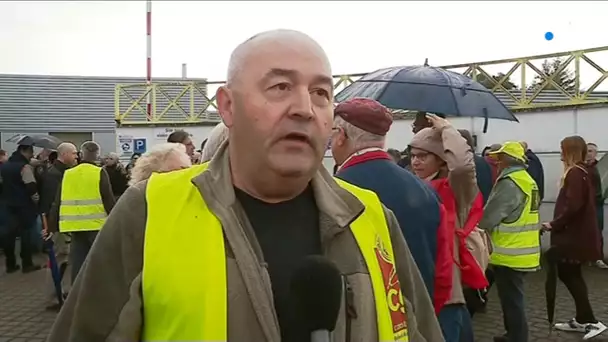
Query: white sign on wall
point(163, 133)
point(125, 144)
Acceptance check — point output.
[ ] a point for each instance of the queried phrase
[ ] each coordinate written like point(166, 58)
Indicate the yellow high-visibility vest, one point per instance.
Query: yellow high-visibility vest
point(517, 244)
point(184, 284)
point(81, 205)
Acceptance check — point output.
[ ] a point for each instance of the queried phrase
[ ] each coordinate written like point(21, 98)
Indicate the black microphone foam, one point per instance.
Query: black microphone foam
point(316, 291)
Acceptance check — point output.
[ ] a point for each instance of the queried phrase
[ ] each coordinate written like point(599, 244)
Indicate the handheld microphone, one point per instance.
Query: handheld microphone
point(316, 289)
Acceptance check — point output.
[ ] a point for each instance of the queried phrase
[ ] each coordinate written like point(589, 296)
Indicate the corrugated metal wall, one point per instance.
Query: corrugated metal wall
point(30, 103)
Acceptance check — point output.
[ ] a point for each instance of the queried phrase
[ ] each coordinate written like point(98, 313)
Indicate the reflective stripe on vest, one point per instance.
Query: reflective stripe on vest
point(517, 244)
point(185, 305)
point(81, 205)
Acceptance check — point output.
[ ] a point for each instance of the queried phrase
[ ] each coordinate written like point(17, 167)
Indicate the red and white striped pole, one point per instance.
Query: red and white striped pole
point(148, 56)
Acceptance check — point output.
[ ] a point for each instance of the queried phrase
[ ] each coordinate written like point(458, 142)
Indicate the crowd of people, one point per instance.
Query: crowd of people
point(202, 245)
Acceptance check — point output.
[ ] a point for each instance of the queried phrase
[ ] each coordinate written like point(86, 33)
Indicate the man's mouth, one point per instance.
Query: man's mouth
point(297, 137)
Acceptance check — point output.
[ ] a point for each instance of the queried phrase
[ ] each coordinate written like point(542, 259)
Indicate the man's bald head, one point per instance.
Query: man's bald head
point(278, 107)
point(66, 147)
point(266, 40)
point(67, 153)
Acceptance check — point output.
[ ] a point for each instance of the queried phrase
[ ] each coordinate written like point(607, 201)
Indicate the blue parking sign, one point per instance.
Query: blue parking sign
point(139, 145)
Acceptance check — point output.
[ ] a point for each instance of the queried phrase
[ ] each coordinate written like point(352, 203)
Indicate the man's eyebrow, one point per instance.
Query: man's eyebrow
point(323, 79)
point(293, 75)
point(274, 72)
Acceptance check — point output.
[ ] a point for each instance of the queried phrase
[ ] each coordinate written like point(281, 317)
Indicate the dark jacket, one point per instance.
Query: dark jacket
point(599, 194)
point(3, 212)
point(118, 178)
point(596, 180)
point(107, 197)
point(535, 169)
point(574, 230)
point(16, 193)
point(483, 173)
point(414, 203)
point(493, 164)
point(404, 162)
point(50, 181)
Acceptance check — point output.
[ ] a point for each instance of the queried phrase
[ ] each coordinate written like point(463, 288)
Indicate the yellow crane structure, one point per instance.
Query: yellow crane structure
point(188, 103)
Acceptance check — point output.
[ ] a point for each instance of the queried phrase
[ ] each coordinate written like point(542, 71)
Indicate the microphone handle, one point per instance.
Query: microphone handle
point(320, 336)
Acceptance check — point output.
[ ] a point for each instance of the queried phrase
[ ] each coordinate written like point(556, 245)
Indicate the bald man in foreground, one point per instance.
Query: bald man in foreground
point(207, 253)
point(66, 158)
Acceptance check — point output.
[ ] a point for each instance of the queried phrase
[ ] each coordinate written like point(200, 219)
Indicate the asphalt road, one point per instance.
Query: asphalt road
point(23, 316)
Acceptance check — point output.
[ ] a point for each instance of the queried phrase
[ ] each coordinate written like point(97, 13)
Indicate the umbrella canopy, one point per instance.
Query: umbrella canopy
point(428, 89)
point(38, 140)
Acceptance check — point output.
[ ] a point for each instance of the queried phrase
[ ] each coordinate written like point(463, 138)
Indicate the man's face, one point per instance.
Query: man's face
point(420, 122)
point(28, 153)
point(501, 161)
point(44, 154)
point(3, 158)
point(280, 107)
point(189, 146)
point(70, 157)
point(591, 152)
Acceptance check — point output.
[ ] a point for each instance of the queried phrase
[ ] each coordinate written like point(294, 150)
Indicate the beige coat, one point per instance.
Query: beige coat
point(106, 304)
point(449, 145)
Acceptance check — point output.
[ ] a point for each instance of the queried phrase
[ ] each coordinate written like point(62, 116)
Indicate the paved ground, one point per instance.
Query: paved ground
point(23, 317)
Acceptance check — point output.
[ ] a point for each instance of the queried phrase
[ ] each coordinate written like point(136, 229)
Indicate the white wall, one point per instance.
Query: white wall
point(542, 130)
point(157, 135)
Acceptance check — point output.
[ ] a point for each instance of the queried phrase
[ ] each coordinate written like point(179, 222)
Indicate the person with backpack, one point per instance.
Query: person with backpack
point(441, 156)
point(511, 218)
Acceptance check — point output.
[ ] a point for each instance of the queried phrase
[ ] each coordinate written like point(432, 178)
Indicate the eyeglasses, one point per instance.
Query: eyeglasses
point(422, 156)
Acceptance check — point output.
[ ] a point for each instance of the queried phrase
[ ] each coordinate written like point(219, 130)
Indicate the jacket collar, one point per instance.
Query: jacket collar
point(510, 170)
point(331, 198)
point(60, 165)
point(18, 158)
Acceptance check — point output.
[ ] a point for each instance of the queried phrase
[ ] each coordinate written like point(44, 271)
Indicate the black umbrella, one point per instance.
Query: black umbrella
point(428, 89)
point(39, 140)
point(57, 271)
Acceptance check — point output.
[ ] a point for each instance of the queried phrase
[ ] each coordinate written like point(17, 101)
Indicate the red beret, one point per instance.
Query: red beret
point(367, 114)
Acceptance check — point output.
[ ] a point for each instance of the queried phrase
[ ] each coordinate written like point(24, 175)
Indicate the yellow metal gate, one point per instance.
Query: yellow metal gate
point(189, 102)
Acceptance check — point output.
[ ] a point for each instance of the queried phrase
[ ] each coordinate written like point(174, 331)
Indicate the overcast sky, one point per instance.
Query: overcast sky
point(108, 38)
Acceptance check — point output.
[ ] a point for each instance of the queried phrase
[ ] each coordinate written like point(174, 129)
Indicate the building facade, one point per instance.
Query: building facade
point(72, 108)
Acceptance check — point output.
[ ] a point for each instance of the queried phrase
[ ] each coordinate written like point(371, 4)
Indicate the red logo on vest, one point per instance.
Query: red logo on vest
point(394, 297)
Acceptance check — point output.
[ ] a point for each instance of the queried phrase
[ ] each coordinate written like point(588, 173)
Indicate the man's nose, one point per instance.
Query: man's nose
point(302, 105)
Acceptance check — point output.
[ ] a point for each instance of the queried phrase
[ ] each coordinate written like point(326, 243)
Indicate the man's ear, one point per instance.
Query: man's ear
point(223, 97)
point(341, 140)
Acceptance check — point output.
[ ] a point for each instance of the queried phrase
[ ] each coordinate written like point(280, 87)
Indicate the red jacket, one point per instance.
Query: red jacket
point(472, 275)
point(444, 272)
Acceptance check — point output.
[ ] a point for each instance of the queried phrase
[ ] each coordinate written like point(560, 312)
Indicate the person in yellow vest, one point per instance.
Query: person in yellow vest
point(84, 200)
point(207, 253)
point(512, 219)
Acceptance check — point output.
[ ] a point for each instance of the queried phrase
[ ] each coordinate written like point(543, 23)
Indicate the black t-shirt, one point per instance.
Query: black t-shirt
point(287, 233)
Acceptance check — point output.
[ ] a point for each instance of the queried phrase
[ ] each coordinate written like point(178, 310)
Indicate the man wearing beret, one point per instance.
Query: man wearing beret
point(358, 146)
